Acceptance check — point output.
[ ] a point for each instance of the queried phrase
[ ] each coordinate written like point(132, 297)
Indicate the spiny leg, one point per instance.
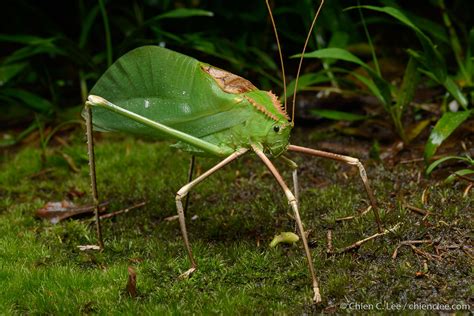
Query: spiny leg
point(294, 166)
point(90, 151)
point(351, 161)
point(294, 173)
point(179, 205)
point(294, 205)
point(190, 178)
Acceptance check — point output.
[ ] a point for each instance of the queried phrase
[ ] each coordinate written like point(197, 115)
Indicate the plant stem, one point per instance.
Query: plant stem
point(108, 40)
point(455, 44)
point(369, 40)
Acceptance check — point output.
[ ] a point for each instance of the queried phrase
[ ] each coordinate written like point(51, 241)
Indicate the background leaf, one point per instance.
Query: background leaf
point(443, 128)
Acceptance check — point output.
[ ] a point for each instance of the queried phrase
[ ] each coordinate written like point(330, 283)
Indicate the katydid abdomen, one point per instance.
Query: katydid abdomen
point(189, 96)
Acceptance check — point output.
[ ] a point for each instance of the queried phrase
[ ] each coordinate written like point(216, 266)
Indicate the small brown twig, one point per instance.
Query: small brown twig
point(471, 180)
point(357, 244)
point(466, 191)
point(126, 210)
point(132, 282)
point(417, 210)
point(329, 250)
point(420, 159)
point(348, 218)
point(424, 254)
point(425, 196)
point(408, 243)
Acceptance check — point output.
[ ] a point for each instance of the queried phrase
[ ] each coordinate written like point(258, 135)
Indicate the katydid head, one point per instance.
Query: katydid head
point(277, 140)
point(272, 129)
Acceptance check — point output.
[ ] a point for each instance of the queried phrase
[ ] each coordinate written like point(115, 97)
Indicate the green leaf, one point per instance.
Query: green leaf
point(183, 13)
point(415, 130)
point(31, 100)
point(379, 87)
point(443, 128)
point(305, 81)
point(263, 58)
point(21, 39)
point(43, 46)
point(408, 88)
point(456, 92)
point(7, 72)
point(462, 172)
point(470, 54)
point(374, 89)
point(338, 115)
point(431, 59)
point(86, 25)
point(334, 53)
point(436, 163)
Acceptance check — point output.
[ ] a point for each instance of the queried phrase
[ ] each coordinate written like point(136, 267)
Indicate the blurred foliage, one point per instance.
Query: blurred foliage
point(54, 51)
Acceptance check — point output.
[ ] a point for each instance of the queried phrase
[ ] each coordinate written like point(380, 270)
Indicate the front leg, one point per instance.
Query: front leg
point(294, 205)
point(179, 205)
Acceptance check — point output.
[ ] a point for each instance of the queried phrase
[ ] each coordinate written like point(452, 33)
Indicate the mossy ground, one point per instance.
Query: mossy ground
point(238, 210)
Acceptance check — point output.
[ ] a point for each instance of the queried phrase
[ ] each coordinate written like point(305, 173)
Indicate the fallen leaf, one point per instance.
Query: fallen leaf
point(58, 211)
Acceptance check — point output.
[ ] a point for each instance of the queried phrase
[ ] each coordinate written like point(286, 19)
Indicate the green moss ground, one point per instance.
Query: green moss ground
point(239, 210)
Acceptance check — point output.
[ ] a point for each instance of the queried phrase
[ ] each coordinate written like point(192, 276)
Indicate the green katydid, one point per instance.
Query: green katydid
point(160, 93)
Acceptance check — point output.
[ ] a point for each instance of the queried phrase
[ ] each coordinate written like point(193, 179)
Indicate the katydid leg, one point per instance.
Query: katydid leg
point(95, 195)
point(351, 161)
point(190, 178)
point(179, 205)
point(294, 174)
point(294, 205)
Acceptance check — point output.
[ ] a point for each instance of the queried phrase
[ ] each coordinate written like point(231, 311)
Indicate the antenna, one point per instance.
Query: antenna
point(279, 52)
point(301, 62)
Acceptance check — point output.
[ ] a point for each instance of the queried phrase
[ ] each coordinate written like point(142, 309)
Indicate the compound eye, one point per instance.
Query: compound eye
point(276, 128)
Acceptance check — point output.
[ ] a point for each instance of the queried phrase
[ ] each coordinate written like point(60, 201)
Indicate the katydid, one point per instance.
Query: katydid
point(163, 94)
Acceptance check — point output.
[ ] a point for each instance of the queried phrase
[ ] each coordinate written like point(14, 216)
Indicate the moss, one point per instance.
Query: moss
point(238, 210)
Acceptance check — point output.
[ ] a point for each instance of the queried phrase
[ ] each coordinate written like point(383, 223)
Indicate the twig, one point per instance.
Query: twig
point(348, 218)
point(424, 196)
point(417, 210)
point(357, 244)
point(425, 254)
point(171, 218)
point(420, 159)
point(465, 178)
point(132, 282)
point(329, 241)
point(409, 242)
point(41, 173)
point(466, 191)
point(70, 162)
point(126, 210)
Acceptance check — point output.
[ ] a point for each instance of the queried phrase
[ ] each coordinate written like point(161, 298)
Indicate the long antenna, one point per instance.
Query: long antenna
point(301, 62)
point(279, 52)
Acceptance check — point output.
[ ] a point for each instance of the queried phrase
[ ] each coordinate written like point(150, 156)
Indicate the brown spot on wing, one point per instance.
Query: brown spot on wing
point(229, 82)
